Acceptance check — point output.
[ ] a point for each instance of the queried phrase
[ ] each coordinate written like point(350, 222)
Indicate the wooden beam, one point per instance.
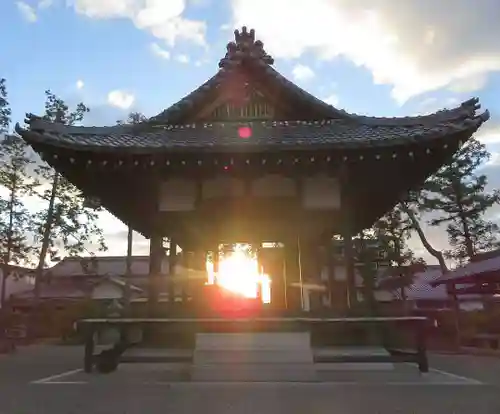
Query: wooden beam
point(156, 255)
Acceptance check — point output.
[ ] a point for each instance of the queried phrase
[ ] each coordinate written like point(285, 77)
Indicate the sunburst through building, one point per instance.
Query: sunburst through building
point(239, 273)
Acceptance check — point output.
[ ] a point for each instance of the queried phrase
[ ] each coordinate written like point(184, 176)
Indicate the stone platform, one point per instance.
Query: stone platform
point(249, 357)
point(353, 351)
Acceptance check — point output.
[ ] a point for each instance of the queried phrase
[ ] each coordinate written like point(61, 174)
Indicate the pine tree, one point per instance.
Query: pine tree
point(410, 207)
point(15, 219)
point(132, 119)
point(5, 110)
point(66, 223)
point(456, 193)
point(393, 231)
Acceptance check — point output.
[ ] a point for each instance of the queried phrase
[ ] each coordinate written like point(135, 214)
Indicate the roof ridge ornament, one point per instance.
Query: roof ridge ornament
point(245, 47)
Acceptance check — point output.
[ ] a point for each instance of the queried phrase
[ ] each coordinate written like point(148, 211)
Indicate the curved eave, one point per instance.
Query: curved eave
point(295, 136)
point(488, 277)
point(473, 272)
point(462, 117)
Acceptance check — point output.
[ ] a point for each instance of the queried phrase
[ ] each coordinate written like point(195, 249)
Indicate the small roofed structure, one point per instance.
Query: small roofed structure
point(420, 290)
point(480, 276)
point(251, 157)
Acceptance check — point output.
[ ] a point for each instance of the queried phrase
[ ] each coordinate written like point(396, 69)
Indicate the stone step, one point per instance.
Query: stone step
point(353, 352)
point(253, 341)
point(355, 366)
point(253, 357)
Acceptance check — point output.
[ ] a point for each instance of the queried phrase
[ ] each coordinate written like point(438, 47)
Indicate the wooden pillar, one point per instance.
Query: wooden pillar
point(172, 262)
point(291, 275)
point(216, 257)
point(155, 260)
point(349, 260)
point(347, 234)
point(330, 264)
point(257, 247)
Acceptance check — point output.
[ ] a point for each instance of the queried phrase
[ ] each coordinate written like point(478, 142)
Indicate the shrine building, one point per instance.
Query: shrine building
point(250, 157)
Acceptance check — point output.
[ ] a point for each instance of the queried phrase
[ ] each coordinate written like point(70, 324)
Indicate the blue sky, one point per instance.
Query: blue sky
point(372, 57)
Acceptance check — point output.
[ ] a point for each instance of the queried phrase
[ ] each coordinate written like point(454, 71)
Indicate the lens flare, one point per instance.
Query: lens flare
point(244, 132)
point(239, 274)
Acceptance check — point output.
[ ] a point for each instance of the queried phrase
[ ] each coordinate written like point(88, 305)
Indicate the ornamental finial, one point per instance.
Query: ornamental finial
point(245, 47)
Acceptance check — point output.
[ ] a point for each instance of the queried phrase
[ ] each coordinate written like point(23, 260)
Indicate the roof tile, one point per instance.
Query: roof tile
point(327, 133)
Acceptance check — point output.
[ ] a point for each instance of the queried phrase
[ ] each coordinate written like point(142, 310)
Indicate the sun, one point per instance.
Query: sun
point(240, 274)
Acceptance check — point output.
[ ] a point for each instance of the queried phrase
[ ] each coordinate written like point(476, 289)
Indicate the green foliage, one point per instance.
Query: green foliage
point(73, 226)
point(368, 256)
point(65, 223)
point(132, 119)
point(15, 219)
point(457, 194)
point(392, 232)
point(5, 110)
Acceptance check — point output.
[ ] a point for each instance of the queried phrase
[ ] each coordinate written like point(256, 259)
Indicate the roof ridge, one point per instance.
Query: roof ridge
point(466, 109)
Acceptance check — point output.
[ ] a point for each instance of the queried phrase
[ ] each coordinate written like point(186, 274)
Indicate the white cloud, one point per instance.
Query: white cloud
point(414, 45)
point(121, 99)
point(489, 133)
point(182, 58)
point(494, 160)
point(79, 84)
point(469, 84)
point(332, 100)
point(27, 11)
point(159, 51)
point(45, 4)
point(163, 19)
point(200, 3)
point(302, 72)
point(433, 104)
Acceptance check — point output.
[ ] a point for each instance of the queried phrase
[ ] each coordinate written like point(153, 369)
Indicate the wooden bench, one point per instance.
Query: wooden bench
point(108, 360)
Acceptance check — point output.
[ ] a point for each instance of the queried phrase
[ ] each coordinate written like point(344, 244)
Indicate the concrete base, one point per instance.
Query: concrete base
point(253, 357)
point(354, 366)
point(299, 341)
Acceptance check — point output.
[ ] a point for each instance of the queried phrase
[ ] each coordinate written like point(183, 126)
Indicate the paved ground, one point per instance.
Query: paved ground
point(458, 384)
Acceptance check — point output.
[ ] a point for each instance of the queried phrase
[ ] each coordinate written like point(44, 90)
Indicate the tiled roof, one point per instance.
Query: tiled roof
point(70, 289)
point(337, 134)
point(332, 128)
point(249, 53)
point(489, 265)
point(105, 266)
point(56, 291)
point(421, 289)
